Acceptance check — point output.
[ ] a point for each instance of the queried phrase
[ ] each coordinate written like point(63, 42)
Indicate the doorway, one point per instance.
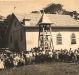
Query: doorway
point(16, 47)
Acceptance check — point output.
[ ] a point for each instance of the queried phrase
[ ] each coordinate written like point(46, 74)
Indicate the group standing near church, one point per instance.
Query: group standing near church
point(17, 59)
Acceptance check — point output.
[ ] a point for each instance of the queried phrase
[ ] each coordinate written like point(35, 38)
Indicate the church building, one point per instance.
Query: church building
point(23, 31)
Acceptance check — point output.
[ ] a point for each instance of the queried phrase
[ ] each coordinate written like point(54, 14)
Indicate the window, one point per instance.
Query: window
point(15, 24)
point(73, 39)
point(21, 36)
point(59, 39)
point(10, 38)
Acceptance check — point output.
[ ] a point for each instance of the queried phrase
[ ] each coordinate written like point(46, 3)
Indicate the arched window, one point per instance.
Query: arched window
point(73, 39)
point(21, 36)
point(59, 39)
point(10, 38)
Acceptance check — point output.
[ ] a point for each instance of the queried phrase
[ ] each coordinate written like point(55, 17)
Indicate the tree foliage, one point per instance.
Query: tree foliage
point(3, 27)
point(53, 8)
point(58, 9)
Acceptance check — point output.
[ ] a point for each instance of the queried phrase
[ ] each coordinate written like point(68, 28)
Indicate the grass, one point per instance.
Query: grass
point(48, 68)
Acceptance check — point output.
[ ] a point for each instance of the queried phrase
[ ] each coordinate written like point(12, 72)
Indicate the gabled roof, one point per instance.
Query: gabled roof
point(57, 20)
point(34, 18)
point(10, 22)
point(27, 17)
point(44, 20)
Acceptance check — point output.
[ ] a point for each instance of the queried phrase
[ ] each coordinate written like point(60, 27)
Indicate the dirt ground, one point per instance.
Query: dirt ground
point(48, 68)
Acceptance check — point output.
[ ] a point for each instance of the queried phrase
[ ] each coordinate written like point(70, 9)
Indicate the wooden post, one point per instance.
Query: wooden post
point(43, 40)
point(50, 38)
point(39, 38)
point(50, 29)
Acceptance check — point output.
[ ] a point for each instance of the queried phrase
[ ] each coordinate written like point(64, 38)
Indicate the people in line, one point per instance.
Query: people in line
point(26, 58)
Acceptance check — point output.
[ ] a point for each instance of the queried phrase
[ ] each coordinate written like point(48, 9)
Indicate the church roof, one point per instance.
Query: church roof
point(57, 20)
point(25, 17)
point(44, 20)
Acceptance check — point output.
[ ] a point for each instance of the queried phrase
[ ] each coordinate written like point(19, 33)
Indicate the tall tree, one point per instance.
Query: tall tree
point(53, 8)
point(2, 31)
point(3, 27)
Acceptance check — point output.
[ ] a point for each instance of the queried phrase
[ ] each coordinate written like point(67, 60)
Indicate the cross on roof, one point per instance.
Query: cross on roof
point(14, 8)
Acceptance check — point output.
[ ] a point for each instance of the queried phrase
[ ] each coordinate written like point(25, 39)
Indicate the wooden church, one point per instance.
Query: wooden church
point(46, 31)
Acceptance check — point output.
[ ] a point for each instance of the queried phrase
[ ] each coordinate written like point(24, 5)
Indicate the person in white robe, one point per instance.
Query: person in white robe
point(1, 64)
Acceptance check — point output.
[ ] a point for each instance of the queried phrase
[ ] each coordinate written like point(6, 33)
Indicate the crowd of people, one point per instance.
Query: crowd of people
point(67, 55)
point(9, 60)
point(14, 59)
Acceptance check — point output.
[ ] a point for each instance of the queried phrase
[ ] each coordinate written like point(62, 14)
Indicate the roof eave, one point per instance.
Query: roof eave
point(45, 23)
point(52, 26)
point(30, 26)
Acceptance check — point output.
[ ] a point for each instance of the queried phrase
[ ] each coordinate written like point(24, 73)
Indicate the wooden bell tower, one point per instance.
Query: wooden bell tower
point(45, 36)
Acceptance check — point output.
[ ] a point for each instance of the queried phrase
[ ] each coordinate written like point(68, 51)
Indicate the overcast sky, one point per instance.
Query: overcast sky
point(25, 6)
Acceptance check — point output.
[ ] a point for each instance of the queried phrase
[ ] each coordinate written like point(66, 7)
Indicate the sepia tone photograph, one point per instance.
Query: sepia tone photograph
point(39, 37)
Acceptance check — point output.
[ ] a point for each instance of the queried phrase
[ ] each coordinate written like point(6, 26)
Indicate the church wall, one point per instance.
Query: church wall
point(31, 40)
point(32, 36)
point(66, 40)
point(15, 32)
point(66, 33)
point(33, 33)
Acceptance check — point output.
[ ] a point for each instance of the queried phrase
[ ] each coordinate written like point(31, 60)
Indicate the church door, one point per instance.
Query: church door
point(16, 47)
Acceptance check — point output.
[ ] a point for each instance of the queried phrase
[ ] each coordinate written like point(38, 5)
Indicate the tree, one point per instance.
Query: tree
point(2, 31)
point(58, 9)
point(3, 28)
point(6, 25)
point(53, 8)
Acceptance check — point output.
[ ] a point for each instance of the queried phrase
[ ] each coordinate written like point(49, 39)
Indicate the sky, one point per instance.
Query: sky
point(26, 6)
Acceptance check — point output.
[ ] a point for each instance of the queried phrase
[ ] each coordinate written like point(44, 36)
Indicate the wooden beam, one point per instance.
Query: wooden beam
point(43, 40)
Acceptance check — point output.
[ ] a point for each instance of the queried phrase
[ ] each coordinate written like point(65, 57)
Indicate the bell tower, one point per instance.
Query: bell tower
point(45, 36)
